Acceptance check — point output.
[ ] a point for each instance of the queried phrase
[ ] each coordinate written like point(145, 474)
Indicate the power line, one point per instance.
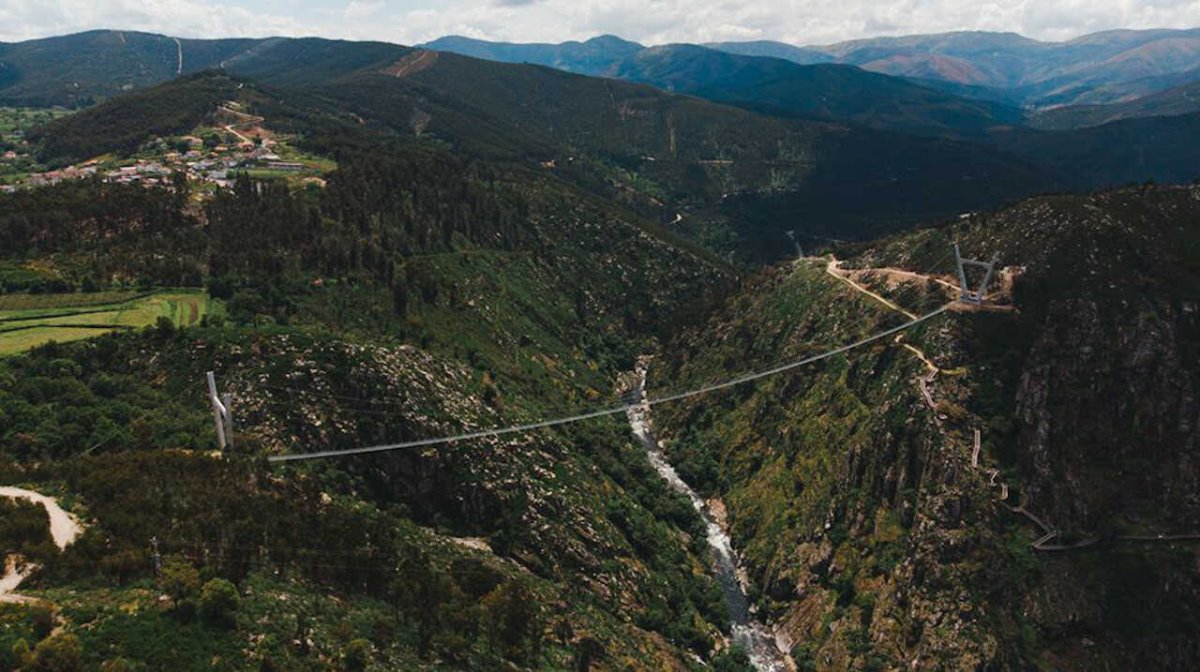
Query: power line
point(612, 410)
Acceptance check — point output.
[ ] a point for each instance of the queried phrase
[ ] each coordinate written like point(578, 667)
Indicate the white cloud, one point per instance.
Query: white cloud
point(24, 19)
point(357, 9)
point(647, 21)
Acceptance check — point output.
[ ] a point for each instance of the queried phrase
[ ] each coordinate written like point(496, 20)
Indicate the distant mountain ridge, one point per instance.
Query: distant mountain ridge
point(1172, 102)
point(821, 91)
point(762, 82)
point(597, 56)
point(1102, 67)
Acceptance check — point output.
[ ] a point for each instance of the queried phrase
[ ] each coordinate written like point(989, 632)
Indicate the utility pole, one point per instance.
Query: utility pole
point(155, 556)
point(222, 415)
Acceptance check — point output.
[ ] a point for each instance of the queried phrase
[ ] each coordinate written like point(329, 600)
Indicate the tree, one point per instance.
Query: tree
point(419, 592)
point(587, 650)
point(517, 626)
point(733, 659)
point(164, 327)
point(219, 601)
point(179, 578)
point(60, 653)
point(357, 655)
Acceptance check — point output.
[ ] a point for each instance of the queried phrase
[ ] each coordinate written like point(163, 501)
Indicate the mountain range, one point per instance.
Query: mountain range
point(1098, 68)
point(828, 150)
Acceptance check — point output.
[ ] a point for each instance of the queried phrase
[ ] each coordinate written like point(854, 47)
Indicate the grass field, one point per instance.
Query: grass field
point(30, 320)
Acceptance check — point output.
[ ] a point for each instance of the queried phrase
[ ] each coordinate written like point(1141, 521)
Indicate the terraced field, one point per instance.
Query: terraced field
point(30, 320)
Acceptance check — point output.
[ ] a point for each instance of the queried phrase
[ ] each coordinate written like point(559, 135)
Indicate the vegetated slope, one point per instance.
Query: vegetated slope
point(308, 61)
point(122, 125)
point(1119, 152)
point(873, 537)
point(835, 92)
point(1161, 149)
point(84, 68)
point(421, 293)
point(1097, 68)
point(662, 152)
point(762, 82)
point(656, 152)
point(1139, 88)
point(1179, 100)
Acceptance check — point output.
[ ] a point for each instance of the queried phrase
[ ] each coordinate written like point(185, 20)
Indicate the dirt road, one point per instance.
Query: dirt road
point(64, 530)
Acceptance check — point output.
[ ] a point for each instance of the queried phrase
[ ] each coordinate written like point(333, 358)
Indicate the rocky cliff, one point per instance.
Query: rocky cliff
point(876, 535)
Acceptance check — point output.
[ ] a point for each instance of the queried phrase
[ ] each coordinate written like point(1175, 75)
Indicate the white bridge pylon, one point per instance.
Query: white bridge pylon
point(966, 293)
point(222, 413)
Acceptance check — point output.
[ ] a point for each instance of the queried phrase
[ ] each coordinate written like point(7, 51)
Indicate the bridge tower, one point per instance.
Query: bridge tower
point(799, 250)
point(222, 415)
point(966, 292)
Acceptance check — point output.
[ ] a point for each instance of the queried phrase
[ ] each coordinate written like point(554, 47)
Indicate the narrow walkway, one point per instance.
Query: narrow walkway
point(834, 269)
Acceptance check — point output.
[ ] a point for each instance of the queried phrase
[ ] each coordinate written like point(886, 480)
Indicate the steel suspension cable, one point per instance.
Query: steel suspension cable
point(612, 410)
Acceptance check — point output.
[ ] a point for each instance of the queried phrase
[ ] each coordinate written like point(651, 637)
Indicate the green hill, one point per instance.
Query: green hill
point(741, 178)
point(84, 68)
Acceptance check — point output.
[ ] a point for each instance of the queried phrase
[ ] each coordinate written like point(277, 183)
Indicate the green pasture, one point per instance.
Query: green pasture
point(30, 320)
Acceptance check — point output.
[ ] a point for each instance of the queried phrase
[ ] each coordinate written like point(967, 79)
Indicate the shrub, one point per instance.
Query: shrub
point(179, 578)
point(60, 653)
point(219, 602)
point(733, 659)
point(357, 655)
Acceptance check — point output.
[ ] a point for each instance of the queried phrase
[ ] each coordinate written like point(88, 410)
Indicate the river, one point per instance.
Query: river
point(751, 635)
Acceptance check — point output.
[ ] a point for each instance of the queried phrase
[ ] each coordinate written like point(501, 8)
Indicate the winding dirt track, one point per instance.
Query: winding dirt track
point(834, 269)
point(64, 530)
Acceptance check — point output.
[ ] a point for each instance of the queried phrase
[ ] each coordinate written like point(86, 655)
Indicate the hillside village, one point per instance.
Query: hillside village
point(210, 156)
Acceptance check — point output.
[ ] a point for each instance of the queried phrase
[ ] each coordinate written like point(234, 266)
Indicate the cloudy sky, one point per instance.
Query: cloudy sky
point(647, 21)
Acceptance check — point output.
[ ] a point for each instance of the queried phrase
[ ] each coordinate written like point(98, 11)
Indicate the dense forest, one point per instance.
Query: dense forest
point(341, 302)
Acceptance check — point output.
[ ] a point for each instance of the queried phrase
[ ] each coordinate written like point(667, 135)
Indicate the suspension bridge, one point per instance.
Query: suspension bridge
point(222, 416)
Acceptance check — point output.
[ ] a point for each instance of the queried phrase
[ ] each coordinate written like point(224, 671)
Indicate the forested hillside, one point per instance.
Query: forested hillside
point(820, 175)
point(420, 292)
point(657, 153)
point(875, 534)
